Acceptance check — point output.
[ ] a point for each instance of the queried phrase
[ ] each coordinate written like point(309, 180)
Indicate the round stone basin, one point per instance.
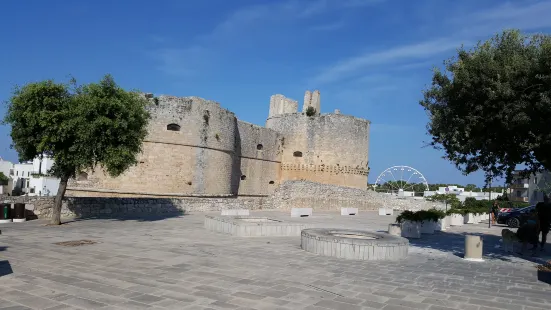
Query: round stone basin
point(354, 244)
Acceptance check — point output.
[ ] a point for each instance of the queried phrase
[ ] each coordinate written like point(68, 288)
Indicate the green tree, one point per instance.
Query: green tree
point(3, 179)
point(490, 108)
point(81, 127)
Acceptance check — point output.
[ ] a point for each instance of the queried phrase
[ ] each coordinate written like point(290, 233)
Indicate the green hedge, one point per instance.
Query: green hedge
point(420, 216)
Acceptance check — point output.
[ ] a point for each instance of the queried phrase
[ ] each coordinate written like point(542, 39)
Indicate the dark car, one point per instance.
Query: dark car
point(515, 217)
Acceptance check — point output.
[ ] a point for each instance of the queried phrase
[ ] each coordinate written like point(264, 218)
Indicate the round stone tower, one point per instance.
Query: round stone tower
point(189, 150)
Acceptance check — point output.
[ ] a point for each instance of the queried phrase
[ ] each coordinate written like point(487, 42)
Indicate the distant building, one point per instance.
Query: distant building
point(519, 188)
point(32, 178)
point(462, 194)
point(6, 167)
point(530, 188)
point(41, 182)
point(21, 177)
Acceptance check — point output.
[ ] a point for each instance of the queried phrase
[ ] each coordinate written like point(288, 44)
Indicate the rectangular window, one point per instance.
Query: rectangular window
point(17, 173)
point(28, 173)
point(519, 194)
point(11, 171)
point(535, 180)
point(32, 190)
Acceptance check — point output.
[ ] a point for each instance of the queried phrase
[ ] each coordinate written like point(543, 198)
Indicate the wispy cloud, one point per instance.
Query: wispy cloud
point(464, 29)
point(182, 60)
point(527, 15)
point(355, 65)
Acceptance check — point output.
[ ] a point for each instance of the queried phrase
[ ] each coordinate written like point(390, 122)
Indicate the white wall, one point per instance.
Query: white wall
point(5, 167)
point(42, 166)
point(44, 186)
point(22, 174)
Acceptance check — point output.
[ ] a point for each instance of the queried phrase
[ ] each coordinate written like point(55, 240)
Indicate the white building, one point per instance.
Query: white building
point(21, 177)
point(32, 178)
point(530, 188)
point(462, 194)
point(41, 183)
point(6, 167)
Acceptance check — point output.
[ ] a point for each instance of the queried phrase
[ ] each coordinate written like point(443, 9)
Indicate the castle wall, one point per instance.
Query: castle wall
point(197, 159)
point(259, 150)
point(330, 149)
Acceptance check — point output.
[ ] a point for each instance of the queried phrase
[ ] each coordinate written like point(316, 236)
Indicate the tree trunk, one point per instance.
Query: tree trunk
point(58, 202)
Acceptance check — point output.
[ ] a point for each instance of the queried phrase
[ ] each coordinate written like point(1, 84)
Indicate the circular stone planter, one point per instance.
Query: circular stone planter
point(354, 244)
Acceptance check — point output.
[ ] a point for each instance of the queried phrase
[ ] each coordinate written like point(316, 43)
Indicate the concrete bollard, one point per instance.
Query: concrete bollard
point(394, 229)
point(473, 248)
point(349, 211)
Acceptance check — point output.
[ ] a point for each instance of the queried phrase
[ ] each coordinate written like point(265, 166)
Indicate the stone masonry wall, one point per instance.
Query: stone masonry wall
point(259, 151)
point(306, 194)
point(195, 159)
point(330, 149)
point(86, 207)
point(291, 194)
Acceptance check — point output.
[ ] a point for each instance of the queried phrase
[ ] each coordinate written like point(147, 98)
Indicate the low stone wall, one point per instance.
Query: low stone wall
point(84, 207)
point(306, 194)
point(291, 194)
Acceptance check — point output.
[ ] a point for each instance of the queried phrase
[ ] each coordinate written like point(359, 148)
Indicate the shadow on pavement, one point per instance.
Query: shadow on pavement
point(5, 267)
point(454, 242)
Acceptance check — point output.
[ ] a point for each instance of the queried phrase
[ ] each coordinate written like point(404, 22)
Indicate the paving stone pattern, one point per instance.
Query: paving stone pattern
point(174, 263)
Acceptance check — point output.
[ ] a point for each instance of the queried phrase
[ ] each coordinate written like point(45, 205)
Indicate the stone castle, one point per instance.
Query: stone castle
point(197, 148)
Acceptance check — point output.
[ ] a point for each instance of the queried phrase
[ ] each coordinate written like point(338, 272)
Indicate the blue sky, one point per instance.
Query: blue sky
point(369, 58)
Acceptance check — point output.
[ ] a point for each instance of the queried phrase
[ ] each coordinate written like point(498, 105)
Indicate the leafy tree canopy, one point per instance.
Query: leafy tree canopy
point(81, 127)
point(3, 179)
point(490, 108)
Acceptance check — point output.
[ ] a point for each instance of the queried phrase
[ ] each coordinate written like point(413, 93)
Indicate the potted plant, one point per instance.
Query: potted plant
point(544, 272)
point(410, 224)
point(456, 216)
point(439, 218)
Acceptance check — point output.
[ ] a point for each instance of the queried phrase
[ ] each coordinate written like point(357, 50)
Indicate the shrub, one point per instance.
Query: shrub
point(420, 216)
point(310, 111)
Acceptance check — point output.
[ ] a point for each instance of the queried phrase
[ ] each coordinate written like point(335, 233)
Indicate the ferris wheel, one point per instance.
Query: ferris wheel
point(401, 178)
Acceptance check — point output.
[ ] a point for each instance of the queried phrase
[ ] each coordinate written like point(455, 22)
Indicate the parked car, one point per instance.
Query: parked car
point(514, 218)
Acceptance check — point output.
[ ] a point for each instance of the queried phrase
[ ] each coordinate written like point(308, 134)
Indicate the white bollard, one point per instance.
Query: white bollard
point(349, 211)
point(473, 248)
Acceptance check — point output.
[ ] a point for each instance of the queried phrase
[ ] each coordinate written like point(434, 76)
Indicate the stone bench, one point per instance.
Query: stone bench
point(349, 211)
point(301, 212)
point(234, 212)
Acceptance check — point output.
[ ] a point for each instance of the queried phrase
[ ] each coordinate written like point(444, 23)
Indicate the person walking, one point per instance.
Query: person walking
point(544, 216)
point(495, 211)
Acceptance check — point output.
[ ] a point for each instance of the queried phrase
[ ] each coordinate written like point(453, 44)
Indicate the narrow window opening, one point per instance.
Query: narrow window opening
point(243, 177)
point(297, 154)
point(259, 146)
point(173, 127)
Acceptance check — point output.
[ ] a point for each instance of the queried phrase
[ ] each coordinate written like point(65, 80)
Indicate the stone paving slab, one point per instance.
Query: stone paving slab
point(174, 263)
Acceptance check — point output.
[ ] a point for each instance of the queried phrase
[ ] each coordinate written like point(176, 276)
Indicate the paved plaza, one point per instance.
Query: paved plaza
point(174, 263)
